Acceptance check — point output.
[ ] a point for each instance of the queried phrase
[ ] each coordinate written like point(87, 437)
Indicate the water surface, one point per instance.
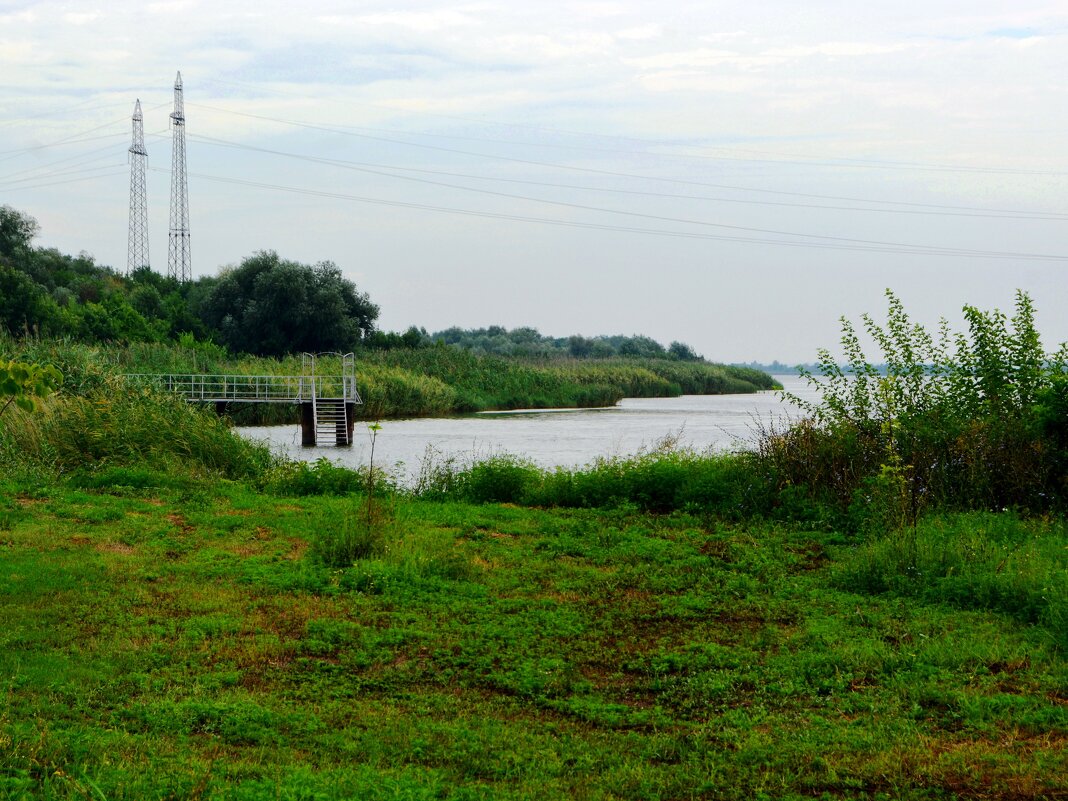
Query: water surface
point(553, 437)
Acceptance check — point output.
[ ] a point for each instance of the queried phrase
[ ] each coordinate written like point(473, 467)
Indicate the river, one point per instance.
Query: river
point(553, 437)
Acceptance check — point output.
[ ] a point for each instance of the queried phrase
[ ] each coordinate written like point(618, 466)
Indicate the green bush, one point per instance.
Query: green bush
point(122, 426)
point(501, 479)
point(968, 421)
point(320, 477)
point(665, 479)
point(344, 536)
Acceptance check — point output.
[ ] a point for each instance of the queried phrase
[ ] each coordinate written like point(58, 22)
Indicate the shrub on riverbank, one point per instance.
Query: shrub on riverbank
point(971, 420)
point(115, 425)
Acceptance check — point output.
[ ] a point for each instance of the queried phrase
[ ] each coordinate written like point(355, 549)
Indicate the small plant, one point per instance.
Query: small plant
point(343, 538)
point(26, 384)
point(372, 431)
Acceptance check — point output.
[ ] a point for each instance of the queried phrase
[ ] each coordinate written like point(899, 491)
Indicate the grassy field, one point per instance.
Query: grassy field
point(170, 637)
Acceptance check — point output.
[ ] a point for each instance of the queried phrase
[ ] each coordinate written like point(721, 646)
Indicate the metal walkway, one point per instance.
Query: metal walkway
point(327, 401)
point(254, 388)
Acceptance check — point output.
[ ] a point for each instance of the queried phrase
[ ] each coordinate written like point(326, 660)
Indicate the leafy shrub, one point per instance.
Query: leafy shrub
point(26, 384)
point(501, 479)
point(121, 426)
point(663, 479)
point(320, 477)
point(969, 421)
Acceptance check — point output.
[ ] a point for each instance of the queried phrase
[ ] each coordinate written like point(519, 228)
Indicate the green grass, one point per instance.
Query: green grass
point(166, 637)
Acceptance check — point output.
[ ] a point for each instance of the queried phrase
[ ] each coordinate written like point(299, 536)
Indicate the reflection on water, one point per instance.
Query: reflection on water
point(551, 438)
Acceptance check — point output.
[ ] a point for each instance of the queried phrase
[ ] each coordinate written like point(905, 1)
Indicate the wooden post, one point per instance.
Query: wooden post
point(350, 418)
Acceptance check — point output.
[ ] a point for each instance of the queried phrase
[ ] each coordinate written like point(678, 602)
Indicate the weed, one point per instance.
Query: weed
point(344, 536)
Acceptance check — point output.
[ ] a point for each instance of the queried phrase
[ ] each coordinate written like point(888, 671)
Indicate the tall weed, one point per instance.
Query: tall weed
point(120, 425)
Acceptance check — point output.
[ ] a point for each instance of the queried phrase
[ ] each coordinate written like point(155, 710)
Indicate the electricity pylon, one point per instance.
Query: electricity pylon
point(178, 257)
point(137, 241)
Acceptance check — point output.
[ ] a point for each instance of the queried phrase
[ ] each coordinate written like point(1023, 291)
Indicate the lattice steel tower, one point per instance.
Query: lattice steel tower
point(137, 241)
point(178, 260)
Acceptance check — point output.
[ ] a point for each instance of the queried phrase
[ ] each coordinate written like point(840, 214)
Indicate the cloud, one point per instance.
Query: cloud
point(26, 17)
point(695, 81)
point(836, 49)
point(641, 33)
point(417, 21)
point(1014, 33)
point(24, 53)
point(171, 6)
point(700, 58)
point(81, 18)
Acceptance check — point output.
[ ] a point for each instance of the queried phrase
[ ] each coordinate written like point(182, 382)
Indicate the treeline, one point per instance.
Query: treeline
point(266, 305)
point(529, 342)
point(776, 367)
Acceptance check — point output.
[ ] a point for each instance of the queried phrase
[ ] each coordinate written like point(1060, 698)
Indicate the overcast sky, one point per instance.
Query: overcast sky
point(732, 175)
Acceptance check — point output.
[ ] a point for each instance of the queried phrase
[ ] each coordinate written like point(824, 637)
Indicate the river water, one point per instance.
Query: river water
point(553, 437)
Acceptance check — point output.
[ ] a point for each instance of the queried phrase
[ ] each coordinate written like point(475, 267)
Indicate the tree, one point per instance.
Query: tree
point(24, 305)
point(682, 352)
point(17, 230)
point(578, 346)
point(271, 306)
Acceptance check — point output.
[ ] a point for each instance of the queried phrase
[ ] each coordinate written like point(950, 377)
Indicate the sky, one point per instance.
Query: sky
point(736, 176)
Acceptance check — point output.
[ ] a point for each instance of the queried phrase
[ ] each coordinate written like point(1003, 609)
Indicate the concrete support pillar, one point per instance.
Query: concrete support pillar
point(220, 408)
point(307, 424)
point(350, 418)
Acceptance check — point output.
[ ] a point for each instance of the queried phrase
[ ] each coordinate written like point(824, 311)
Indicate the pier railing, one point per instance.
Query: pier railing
point(254, 388)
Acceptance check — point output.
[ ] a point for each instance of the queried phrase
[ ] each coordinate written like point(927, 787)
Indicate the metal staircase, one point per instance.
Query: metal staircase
point(331, 421)
point(332, 396)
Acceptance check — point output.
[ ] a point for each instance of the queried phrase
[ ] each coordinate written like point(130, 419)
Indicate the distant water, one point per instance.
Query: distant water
point(556, 437)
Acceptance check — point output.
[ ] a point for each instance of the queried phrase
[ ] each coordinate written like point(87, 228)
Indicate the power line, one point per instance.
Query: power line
point(596, 171)
point(53, 113)
point(832, 244)
point(373, 168)
point(658, 217)
point(58, 174)
point(71, 139)
point(120, 170)
point(784, 158)
point(79, 158)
